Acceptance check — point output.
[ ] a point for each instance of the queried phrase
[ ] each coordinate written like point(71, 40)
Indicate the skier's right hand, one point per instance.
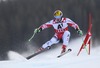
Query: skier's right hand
point(37, 30)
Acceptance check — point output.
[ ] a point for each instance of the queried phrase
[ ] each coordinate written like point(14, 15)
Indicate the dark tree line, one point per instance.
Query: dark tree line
point(19, 18)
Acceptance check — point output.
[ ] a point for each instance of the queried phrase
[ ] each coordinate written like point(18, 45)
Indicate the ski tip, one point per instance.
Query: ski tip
point(58, 56)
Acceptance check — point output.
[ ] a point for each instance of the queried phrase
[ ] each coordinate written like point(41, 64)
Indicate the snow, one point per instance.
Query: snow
point(49, 59)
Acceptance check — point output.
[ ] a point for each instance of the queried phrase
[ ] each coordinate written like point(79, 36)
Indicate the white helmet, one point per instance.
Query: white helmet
point(58, 14)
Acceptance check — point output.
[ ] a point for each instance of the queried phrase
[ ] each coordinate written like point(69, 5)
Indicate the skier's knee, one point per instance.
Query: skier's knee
point(44, 46)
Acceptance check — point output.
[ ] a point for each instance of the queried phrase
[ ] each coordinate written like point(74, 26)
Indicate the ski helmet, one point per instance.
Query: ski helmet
point(58, 14)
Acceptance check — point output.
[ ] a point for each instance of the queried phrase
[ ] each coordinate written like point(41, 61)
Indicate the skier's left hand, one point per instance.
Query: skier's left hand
point(80, 32)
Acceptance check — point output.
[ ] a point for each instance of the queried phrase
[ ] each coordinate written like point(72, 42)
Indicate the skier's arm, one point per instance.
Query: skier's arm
point(42, 27)
point(75, 26)
point(72, 24)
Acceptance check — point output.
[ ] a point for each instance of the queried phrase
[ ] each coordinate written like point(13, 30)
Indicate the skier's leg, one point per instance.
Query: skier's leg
point(52, 41)
point(65, 38)
point(48, 44)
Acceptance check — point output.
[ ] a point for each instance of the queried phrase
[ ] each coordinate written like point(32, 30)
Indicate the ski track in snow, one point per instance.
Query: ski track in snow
point(49, 59)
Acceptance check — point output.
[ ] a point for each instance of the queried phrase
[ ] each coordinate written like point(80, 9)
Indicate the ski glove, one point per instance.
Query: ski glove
point(37, 30)
point(80, 32)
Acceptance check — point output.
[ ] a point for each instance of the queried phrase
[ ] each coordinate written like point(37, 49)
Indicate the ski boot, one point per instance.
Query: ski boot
point(63, 49)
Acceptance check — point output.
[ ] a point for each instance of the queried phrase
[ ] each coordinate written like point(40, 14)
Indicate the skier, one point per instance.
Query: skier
point(60, 25)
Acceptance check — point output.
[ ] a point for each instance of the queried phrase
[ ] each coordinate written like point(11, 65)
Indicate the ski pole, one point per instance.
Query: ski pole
point(32, 37)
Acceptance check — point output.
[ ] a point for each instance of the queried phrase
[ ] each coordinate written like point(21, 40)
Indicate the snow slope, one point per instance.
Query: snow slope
point(49, 59)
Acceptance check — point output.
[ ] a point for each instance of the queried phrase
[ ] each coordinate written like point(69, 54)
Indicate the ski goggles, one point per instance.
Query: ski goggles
point(57, 17)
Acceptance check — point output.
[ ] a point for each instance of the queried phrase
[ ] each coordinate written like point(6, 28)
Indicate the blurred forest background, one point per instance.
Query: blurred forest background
point(19, 18)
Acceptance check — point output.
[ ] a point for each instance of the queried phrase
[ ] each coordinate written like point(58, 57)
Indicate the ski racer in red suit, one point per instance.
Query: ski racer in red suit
point(60, 25)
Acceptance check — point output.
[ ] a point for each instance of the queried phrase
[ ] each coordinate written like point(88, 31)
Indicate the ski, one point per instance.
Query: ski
point(36, 53)
point(29, 57)
point(69, 50)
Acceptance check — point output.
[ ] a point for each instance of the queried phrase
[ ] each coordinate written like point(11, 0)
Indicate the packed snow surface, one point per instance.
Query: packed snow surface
point(49, 59)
